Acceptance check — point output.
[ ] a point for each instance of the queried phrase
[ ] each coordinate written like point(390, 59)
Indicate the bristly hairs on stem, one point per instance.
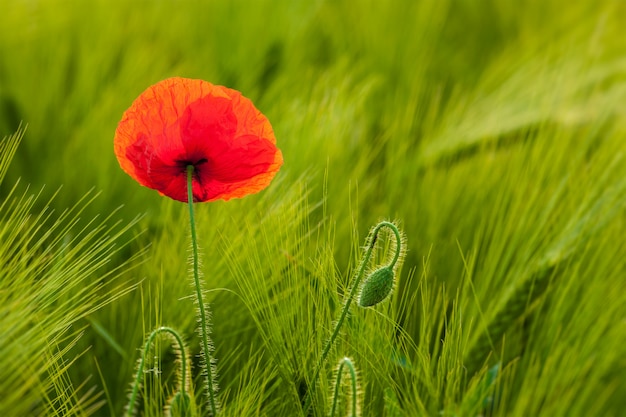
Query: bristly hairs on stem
point(371, 241)
point(183, 378)
point(353, 405)
point(207, 363)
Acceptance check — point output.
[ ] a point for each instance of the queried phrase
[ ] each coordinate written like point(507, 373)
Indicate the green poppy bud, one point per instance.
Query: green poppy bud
point(376, 287)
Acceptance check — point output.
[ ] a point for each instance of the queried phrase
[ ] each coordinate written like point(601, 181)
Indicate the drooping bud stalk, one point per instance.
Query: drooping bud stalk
point(369, 248)
point(379, 283)
point(354, 390)
point(182, 356)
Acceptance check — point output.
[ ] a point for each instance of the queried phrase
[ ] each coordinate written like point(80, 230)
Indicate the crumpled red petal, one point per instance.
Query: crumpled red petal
point(181, 121)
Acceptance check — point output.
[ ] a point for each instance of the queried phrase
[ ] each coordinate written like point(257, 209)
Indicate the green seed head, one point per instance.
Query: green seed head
point(376, 287)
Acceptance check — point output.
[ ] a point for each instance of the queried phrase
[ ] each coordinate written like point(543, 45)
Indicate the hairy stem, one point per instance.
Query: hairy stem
point(142, 363)
point(353, 385)
point(348, 302)
point(201, 307)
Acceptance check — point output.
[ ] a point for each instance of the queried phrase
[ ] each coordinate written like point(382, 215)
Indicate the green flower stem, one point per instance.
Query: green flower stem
point(353, 384)
point(201, 306)
point(142, 363)
point(353, 291)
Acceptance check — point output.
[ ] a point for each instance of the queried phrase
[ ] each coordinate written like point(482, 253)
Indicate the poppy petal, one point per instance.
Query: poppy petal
point(179, 122)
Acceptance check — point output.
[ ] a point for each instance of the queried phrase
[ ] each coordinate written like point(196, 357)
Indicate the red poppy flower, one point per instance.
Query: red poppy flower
point(179, 122)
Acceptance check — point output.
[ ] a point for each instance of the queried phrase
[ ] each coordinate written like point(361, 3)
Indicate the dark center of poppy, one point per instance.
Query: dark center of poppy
point(182, 164)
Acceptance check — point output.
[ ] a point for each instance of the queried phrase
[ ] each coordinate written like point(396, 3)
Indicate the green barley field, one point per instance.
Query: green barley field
point(492, 133)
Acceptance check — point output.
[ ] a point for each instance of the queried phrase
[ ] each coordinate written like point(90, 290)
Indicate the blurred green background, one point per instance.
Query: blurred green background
point(339, 80)
point(490, 129)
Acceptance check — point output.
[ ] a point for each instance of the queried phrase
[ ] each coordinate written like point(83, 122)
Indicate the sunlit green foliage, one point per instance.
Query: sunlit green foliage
point(494, 132)
point(54, 274)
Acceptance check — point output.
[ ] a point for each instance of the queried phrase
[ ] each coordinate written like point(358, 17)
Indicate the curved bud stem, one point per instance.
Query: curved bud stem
point(396, 233)
point(142, 362)
point(353, 385)
point(373, 237)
